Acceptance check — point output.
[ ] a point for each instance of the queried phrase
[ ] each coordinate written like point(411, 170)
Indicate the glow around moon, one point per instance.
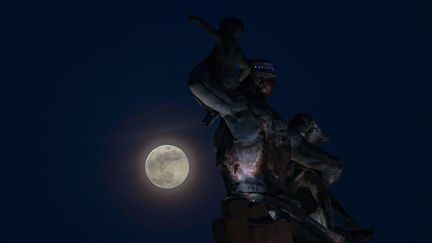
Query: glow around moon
point(167, 166)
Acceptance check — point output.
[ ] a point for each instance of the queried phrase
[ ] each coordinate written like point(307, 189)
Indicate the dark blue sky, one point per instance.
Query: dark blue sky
point(91, 85)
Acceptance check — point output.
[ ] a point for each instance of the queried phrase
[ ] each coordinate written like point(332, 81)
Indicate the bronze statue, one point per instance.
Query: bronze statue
point(275, 173)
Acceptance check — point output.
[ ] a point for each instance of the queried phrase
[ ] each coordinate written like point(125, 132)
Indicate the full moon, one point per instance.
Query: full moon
point(167, 166)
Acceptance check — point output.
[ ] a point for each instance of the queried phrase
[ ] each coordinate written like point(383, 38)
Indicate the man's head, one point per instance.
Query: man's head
point(308, 128)
point(262, 77)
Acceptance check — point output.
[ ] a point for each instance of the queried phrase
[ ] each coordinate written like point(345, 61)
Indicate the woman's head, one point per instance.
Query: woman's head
point(263, 76)
point(231, 27)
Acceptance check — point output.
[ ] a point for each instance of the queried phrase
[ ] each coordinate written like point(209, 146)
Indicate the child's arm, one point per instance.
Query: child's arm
point(209, 29)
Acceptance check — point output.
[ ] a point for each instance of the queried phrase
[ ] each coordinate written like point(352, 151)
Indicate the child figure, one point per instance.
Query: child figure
point(223, 70)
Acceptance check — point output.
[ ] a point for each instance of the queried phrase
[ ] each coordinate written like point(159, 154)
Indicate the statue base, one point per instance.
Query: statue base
point(243, 222)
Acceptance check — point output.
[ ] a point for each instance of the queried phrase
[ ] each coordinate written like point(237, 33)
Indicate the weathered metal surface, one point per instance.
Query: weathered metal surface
point(275, 173)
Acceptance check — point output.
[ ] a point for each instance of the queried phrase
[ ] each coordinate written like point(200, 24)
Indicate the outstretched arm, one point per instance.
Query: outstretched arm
point(209, 29)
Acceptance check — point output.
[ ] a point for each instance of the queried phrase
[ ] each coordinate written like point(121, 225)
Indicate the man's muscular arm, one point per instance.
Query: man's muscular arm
point(214, 96)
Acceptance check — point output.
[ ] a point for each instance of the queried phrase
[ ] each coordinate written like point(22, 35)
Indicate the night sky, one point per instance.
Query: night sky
point(89, 87)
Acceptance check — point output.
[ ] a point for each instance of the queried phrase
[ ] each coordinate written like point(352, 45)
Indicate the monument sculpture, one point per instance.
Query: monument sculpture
point(276, 175)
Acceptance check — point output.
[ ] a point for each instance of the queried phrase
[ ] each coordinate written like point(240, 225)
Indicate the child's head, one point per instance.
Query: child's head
point(231, 27)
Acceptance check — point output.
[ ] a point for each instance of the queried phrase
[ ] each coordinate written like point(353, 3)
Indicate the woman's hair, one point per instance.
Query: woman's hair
point(228, 25)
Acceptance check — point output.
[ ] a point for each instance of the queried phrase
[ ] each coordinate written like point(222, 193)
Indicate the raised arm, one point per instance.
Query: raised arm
point(214, 95)
point(209, 29)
